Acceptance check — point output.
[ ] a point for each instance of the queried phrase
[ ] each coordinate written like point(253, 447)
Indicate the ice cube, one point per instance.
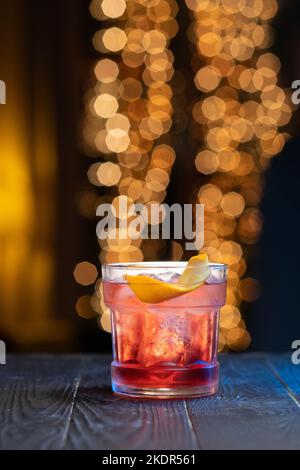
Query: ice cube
point(128, 325)
point(163, 338)
point(167, 277)
point(201, 337)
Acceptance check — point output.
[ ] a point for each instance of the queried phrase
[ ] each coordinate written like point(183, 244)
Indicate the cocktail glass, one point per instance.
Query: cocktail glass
point(167, 349)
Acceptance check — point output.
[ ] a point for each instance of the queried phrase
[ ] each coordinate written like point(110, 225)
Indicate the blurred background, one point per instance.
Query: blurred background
point(148, 101)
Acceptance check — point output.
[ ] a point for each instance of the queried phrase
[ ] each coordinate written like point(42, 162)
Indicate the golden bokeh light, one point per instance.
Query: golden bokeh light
point(131, 59)
point(253, 8)
point(106, 322)
point(269, 10)
point(213, 108)
point(113, 9)
point(106, 105)
point(230, 39)
point(207, 162)
point(104, 174)
point(100, 142)
point(229, 160)
point(154, 41)
point(209, 6)
point(117, 140)
point(231, 252)
point(157, 179)
point(131, 89)
point(224, 63)
point(238, 339)
point(242, 48)
point(269, 61)
point(114, 39)
point(133, 157)
point(123, 207)
point(138, 106)
point(207, 78)
point(218, 138)
point(106, 71)
point(210, 44)
point(84, 307)
point(163, 156)
point(233, 204)
point(230, 317)
point(96, 10)
point(135, 41)
point(233, 6)
point(211, 196)
point(85, 273)
point(118, 121)
point(249, 289)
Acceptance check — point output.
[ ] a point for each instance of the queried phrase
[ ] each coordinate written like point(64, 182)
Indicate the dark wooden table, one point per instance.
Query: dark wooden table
point(65, 402)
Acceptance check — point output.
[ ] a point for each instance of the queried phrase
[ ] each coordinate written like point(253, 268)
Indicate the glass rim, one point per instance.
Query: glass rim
point(157, 264)
point(114, 272)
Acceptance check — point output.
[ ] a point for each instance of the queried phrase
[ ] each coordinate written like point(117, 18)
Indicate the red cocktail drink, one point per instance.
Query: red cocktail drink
point(168, 348)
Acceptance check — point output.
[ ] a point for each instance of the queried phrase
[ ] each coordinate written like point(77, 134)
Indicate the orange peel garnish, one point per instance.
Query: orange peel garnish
point(153, 291)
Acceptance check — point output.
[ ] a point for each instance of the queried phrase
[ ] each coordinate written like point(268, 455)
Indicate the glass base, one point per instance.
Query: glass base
point(165, 393)
point(129, 380)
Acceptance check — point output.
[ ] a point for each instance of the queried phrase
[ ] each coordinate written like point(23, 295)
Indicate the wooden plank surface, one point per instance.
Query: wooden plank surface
point(101, 420)
point(287, 373)
point(36, 401)
point(252, 409)
point(65, 402)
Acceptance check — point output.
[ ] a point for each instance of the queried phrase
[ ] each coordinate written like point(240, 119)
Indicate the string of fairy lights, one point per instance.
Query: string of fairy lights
point(237, 119)
point(135, 107)
point(128, 120)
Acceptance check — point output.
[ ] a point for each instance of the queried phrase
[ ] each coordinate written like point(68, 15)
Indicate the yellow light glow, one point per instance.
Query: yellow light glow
point(154, 42)
point(207, 78)
point(157, 179)
point(118, 121)
point(107, 174)
point(233, 204)
point(200, 5)
point(131, 89)
point(100, 142)
point(84, 307)
point(207, 162)
point(211, 196)
point(117, 140)
point(114, 39)
point(163, 156)
point(230, 317)
point(113, 9)
point(123, 207)
point(233, 6)
point(106, 105)
point(85, 273)
point(237, 132)
point(96, 10)
point(210, 44)
point(218, 138)
point(106, 71)
point(213, 108)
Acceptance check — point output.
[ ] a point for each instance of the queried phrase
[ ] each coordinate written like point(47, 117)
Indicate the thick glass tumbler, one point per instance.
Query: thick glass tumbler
point(166, 349)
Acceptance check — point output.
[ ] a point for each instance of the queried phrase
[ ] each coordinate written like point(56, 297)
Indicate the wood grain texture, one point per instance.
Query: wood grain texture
point(36, 399)
point(101, 420)
point(65, 402)
point(287, 372)
point(251, 411)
